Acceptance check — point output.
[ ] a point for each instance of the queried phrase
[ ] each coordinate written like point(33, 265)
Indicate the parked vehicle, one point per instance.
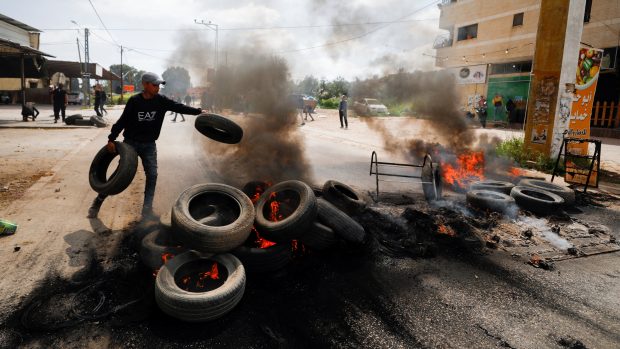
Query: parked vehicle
point(75, 98)
point(5, 98)
point(370, 106)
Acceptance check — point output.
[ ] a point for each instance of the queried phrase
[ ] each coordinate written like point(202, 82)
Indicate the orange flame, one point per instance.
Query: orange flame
point(165, 257)
point(470, 167)
point(446, 230)
point(516, 172)
point(262, 242)
point(211, 274)
point(274, 216)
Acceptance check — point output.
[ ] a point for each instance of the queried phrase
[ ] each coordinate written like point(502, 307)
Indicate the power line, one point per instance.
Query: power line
point(363, 34)
point(258, 28)
point(103, 24)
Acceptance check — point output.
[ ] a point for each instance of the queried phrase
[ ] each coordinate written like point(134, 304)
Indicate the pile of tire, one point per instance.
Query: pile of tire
point(212, 225)
point(534, 195)
point(78, 120)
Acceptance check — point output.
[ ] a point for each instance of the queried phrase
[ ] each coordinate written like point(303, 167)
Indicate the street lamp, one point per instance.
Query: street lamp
point(212, 26)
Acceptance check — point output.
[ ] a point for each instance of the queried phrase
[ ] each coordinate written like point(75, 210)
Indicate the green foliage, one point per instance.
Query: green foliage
point(131, 76)
point(309, 86)
point(514, 149)
point(329, 103)
point(335, 88)
point(177, 82)
point(397, 109)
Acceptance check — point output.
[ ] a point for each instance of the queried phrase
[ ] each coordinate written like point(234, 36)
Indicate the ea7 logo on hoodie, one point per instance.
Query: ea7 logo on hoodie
point(146, 116)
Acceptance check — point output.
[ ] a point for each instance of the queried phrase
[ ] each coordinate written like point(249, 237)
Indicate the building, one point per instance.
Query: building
point(21, 62)
point(489, 46)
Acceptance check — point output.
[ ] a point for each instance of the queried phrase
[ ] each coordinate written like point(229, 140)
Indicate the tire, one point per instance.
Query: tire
point(219, 128)
point(564, 192)
point(302, 207)
point(264, 260)
point(320, 237)
point(121, 178)
point(537, 200)
point(98, 121)
point(82, 122)
point(429, 176)
point(235, 216)
point(343, 197)
point(497, 186)
point(70, 120)
point(156, 245)
point(199, 306)
point(342, 225)
point(254, 189)
point(489, 200)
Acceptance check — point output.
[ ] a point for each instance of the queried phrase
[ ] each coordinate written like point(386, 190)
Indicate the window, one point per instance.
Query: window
point(468, 32)
point(517, 20)
point(586, 16)
point(32, 84)
point(511, 68)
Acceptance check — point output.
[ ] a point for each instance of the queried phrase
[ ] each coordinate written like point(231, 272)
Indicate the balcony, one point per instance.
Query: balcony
point(443, 40)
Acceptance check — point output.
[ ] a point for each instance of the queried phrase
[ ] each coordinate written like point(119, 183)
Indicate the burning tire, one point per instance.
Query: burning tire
point(219, 128)
point(342, 225)
point(212, 217)
point(343, 197)
point(98, 121)
point(254, 189)
point(498, 186)
point(431, 180)
point(264, 260)
point(320, 237)
point(196, 288)
point(564, 192)
point(490, 200)
point(537, 200)
point(122, 176)
point(70, 120)
point(157, 247)
point(286, 211)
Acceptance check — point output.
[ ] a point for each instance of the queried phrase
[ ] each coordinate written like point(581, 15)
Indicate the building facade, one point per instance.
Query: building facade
point(495, 41)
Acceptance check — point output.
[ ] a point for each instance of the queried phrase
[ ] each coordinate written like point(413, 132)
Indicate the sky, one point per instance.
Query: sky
point(323, 38)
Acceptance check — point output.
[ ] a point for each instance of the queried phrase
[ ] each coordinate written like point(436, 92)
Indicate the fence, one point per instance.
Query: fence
point(606, 115)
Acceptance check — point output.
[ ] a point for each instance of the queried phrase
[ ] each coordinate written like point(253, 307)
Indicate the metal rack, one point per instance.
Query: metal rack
point(430, 176)
point(594, 158)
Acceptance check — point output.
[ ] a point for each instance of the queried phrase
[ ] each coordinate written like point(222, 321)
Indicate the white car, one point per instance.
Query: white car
point(75, 98)
point(370, 106)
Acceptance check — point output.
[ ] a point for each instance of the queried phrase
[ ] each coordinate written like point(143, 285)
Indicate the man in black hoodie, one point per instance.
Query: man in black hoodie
point(142, 119)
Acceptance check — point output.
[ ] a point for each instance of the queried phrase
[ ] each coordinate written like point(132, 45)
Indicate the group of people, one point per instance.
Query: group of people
point(499, 110)
point(100, 100)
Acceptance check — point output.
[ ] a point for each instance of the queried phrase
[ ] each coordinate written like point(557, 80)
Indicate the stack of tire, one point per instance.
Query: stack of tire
point(212, 223)
point(78, 120)
point(534, 195)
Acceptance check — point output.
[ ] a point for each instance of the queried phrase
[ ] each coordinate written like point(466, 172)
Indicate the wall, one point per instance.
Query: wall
point(15, 34)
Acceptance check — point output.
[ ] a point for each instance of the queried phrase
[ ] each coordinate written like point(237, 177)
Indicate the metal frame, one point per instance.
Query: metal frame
point(374, 161)
point(594, 157)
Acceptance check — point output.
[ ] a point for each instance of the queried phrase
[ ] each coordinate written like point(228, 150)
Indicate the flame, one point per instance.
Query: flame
point(446, 230)
point(274, 216)
point(211, 274)
point(470, 167)
point(262, 242)
point(258, 191)
point(516, 172)
point(165, 257)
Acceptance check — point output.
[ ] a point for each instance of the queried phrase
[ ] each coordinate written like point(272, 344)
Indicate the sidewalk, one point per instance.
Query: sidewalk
point(10, 116)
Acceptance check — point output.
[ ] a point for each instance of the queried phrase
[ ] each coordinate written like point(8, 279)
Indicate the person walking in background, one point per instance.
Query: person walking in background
point(482, 111)
point(342, 112)
point(141, 121)
point(178, 100)
point(104, 99)
point(498, 103)
point(98, 91)
point(59, 101)
point(188, 100)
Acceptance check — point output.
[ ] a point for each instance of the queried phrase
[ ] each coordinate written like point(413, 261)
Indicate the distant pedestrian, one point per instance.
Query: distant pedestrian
point(308, 109)
point(498, 103)
point(29, 110)
point(178, 100)
point(300, 108)
point(188, 100)
point(98, 92)
point(59, 101)
point(342, 112)
point(104, 99)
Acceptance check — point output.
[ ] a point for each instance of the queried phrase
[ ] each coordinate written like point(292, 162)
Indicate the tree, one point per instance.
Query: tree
point(177, 81)
point(309, 86)
point(131, 76)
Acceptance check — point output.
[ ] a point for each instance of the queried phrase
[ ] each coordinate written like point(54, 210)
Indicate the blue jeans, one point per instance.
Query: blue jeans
point(499, 112)
point(147, 151)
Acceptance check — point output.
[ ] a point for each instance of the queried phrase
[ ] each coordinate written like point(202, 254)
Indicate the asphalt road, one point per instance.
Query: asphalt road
point(454, 300)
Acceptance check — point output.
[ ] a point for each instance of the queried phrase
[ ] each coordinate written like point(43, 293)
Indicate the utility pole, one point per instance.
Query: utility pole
point(121, 100)
point(86, 75)
point(212, 26)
